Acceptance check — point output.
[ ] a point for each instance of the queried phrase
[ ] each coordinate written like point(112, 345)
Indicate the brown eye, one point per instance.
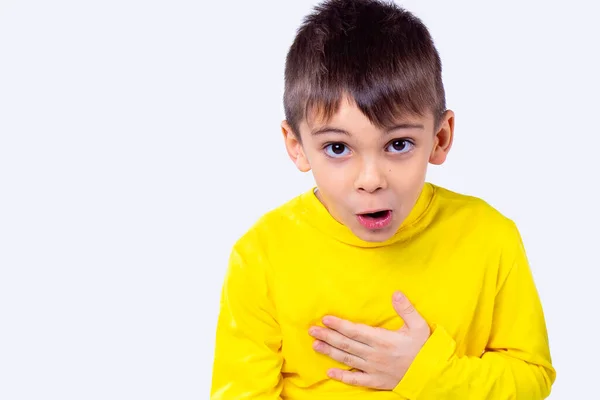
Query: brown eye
point(400, 146)
point(336, 149)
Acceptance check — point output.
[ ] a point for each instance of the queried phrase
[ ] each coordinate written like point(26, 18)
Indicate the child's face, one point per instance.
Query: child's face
point(360, 168)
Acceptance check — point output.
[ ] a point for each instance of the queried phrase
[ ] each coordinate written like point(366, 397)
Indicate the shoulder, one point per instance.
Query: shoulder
point(271, 226)
point(472, 214)
point(472, 224)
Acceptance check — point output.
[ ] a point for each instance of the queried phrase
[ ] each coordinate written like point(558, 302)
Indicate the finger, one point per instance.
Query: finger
point(357, 332)
point(341, 342)
point(405, 309)
point(350, 377)
point(345, 358)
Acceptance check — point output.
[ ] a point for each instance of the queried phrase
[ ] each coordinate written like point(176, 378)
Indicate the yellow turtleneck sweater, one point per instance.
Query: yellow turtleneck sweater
point(458, 260)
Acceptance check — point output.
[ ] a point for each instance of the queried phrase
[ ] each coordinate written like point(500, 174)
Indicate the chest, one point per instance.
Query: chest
point(449, 284)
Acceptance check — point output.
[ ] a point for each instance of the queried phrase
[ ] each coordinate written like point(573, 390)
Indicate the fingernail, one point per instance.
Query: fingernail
point(398, 296)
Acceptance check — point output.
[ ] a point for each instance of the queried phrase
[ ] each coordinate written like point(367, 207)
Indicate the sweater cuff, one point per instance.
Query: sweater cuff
point(429, 361)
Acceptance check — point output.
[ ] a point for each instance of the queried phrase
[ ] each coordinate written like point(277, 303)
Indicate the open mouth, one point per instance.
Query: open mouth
point(375, 220)
point(377, 214)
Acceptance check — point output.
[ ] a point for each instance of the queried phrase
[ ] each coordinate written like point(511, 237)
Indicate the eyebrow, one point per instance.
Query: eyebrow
point(330, 129)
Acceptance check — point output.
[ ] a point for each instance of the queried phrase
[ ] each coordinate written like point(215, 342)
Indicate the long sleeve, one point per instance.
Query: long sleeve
point(516, 363)
point(247, 360)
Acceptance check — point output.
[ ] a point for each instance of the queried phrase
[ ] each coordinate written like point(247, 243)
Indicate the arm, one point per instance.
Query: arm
point(516, 363)
point(247, 361)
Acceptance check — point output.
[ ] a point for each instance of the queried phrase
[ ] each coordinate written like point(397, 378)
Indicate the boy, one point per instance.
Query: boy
point(376, 284)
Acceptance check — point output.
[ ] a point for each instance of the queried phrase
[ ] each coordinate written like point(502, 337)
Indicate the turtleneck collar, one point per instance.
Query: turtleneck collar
point(318, 216)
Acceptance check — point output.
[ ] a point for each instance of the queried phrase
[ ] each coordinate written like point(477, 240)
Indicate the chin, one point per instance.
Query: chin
point(375, 236)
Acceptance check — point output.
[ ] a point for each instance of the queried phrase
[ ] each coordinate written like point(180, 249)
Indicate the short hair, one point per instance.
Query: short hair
point(380, 55)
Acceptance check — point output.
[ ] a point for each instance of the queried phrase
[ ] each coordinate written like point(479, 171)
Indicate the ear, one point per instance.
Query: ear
point(294, 148)
point(443, 139)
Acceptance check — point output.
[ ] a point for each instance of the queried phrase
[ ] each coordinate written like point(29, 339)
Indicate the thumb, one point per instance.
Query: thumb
point(406, 311)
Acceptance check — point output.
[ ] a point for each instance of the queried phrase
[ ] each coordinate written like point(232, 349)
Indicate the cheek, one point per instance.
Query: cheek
point(333, 180)
point(330, 172)
point(330, 180)
point(409, 173)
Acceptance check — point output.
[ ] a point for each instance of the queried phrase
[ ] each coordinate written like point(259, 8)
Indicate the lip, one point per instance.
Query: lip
point(375, 223)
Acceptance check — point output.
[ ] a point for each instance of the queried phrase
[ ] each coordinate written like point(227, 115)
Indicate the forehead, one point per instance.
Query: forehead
point(350, 118)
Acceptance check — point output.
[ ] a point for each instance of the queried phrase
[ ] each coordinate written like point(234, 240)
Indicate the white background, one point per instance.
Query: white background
point(140, 139)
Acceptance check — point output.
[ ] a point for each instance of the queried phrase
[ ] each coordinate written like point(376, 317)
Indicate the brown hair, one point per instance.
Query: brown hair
point(380, 55)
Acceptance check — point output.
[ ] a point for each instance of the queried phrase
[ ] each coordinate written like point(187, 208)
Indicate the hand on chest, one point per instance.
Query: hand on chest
point(360, 290)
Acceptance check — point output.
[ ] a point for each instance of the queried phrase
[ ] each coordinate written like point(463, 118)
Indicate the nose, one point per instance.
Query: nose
point(370, 178)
